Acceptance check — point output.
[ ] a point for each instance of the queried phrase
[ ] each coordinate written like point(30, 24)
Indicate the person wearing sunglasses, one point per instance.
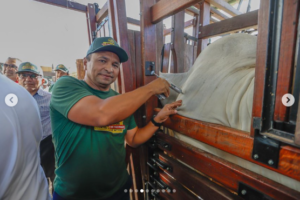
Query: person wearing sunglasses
point(31, 78)
point(10, 68)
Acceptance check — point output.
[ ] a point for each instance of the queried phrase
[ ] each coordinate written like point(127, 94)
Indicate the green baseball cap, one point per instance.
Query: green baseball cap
point(61, 67)
point(108, 44)
point(29, 67)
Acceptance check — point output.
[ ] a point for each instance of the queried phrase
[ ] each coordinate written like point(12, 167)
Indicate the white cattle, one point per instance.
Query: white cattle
point(219, 89)
point(219, 86)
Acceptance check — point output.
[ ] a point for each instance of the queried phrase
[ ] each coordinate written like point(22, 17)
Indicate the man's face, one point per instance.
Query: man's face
point(102, 69)
point(60, 73)
point(10, 68)
point(30, 81)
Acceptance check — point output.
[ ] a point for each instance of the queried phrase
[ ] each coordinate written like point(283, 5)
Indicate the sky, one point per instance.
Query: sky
point(48, 35)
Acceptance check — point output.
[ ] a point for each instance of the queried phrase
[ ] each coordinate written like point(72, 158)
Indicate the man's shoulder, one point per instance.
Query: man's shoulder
point(67, 78)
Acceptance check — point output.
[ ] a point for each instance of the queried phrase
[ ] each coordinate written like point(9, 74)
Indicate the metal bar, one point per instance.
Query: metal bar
point(66, 4)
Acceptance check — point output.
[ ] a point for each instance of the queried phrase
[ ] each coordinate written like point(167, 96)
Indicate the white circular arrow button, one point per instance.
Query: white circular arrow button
point(288, 100)
point(11, 100)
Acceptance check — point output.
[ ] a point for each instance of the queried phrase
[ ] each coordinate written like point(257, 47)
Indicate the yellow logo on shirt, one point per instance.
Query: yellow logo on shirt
point(114, 128)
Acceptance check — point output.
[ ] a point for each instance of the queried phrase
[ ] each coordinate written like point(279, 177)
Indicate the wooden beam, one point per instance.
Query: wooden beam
point(223, 5)
point(102, 13)
point(181, 192)
point(233, 24)
point(232, 141)
point(192, 11)
point(133, 21)
point(195, 182)
point(165, 8)
point(222, 171)
point(65, 4)
point(218, 14)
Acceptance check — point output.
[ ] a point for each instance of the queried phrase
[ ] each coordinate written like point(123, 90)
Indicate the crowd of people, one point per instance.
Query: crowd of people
point(75, 134)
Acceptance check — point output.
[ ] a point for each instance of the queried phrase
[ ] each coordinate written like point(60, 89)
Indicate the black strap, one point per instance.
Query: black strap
point(155, 123)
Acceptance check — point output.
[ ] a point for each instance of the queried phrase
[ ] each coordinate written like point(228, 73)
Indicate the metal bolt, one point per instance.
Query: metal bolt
point(270, 162)
point(166, 146)
point(255, 156)
point(244, 192)
point(144, 116)
point(154, 154)
point(168, 168)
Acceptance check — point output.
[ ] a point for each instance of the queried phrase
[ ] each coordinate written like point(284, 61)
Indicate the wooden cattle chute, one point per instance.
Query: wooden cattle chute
point(159, 163)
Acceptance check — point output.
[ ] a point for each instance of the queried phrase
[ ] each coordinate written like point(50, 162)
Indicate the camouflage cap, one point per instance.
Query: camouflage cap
point(107, 44)
point(29, 67)
point(61, 67)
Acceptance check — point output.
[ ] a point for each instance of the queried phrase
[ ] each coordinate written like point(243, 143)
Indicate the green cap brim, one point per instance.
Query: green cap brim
point(62, 70)
point(27, 70)
point(121, 53)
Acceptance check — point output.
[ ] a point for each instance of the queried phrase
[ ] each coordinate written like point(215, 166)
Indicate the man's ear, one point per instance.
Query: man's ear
point(85, 63)
point(43, 81)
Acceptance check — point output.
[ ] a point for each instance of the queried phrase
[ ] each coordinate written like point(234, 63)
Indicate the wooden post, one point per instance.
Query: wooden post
point(177, 44)
point(80, 69)
point(286, 57)
point(204, 20)
point(261, 59)
point(91, 22)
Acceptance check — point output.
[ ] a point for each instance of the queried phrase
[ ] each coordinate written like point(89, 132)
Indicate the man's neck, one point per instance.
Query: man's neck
point(33, 92)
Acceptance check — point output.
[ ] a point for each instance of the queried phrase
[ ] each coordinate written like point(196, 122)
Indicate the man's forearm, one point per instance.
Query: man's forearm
point(143, 134)
point(117, 108)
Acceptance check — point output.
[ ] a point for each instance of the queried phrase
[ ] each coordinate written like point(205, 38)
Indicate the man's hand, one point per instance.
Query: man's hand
point(137, 136)
point(166, 111)
point(159, 86)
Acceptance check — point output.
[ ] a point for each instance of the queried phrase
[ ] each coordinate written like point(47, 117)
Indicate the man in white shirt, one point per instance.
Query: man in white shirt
point(21, 175)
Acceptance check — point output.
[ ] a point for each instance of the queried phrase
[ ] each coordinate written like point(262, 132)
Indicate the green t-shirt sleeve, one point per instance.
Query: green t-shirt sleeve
point(67, 91)
point(132, 123)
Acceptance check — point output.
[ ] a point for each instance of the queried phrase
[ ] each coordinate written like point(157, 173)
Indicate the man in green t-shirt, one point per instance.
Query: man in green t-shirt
point(60, 71)
point(91, 122)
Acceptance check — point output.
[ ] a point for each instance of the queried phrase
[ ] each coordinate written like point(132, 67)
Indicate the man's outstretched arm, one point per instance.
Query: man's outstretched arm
point(93, 111)
point(138, 136)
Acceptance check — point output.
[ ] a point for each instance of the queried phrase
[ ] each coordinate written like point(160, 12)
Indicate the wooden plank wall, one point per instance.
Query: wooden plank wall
point(223, 172)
